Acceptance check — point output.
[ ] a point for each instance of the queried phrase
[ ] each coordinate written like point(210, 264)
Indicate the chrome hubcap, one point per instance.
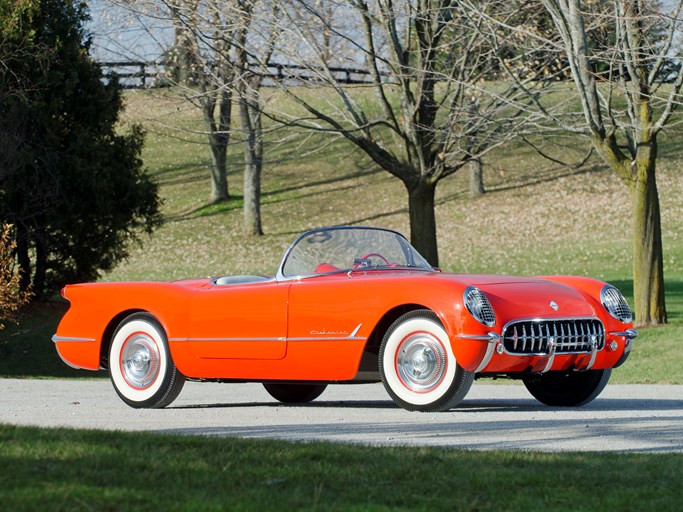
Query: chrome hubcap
point(421, 362)
point(140, 361)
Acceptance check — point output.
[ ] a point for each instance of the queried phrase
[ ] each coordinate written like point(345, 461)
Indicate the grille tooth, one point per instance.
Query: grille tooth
point(515, 337)
point(573, 336)
point(562, 335)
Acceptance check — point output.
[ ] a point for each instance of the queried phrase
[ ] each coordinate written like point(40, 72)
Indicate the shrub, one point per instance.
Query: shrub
point(12, 299)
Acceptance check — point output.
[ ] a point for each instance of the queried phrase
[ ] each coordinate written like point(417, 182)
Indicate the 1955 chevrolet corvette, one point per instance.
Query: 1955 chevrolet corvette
point(351, 304)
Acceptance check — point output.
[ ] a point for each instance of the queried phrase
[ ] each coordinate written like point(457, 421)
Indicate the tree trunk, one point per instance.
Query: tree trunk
point(648, 268)
point(219, 171)
point(184, 56)
point(41, 264)
point(219, 137)
point(252, 135)
point(476, 178)
point(421, 196)
point(23, 258)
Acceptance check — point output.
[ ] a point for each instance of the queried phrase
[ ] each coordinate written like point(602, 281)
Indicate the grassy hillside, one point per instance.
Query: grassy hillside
point(536, 218)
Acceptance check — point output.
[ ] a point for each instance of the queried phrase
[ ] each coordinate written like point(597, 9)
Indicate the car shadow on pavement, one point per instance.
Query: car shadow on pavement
point(468, 406)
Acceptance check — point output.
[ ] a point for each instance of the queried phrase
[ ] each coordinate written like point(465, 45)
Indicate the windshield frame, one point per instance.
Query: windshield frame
point(416, 262)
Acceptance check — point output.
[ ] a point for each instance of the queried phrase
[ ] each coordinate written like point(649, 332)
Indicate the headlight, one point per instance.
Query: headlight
point(615, 303)
point(479, 306)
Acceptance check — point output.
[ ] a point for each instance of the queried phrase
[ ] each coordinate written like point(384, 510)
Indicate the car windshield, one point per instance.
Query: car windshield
point(344, 249)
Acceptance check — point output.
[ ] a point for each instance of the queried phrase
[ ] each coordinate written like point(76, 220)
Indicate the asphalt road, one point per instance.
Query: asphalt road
point(633, 418)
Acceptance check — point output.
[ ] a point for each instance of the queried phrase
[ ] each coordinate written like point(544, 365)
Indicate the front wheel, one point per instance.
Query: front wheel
point(294, 393)
point(140, 364)
point(567, 388)
point(417, 365)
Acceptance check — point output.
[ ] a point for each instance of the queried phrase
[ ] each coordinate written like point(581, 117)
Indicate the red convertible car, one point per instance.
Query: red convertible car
point(351, 304)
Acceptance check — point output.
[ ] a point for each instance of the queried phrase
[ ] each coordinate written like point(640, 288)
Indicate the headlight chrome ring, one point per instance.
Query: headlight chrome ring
point(479, 306)
point(615, 303)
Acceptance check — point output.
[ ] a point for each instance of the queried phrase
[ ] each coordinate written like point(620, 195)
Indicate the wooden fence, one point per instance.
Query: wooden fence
point(141, 75)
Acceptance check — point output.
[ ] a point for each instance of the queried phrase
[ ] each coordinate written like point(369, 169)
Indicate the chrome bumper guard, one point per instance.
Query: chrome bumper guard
point(495, 343)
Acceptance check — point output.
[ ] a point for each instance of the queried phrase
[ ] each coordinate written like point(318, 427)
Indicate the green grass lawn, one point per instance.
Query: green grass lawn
point(103, 471)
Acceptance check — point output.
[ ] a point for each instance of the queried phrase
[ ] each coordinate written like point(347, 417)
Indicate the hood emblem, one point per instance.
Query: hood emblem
point(554, 305)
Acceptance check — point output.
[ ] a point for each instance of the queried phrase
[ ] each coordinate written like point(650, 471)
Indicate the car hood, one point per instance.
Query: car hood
point(535, 297)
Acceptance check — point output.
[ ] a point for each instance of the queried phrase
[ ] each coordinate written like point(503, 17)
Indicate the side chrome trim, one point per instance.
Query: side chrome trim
point(352, 337)
point(228, 340)
point(347, 338)
point(70, 339)
point(262, 340)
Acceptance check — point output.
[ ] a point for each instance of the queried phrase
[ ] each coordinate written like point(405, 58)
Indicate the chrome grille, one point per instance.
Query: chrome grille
point(572, 336)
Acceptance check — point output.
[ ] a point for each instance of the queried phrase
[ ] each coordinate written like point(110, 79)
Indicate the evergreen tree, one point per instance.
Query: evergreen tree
point(75, 188)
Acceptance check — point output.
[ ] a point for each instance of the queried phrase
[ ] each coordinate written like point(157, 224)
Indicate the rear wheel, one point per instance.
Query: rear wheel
point(567, 388)
point(294, 393)
point(140, 363)
point(417, 365)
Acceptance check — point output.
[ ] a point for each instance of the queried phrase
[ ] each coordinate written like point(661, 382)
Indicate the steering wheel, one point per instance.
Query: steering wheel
point(375, 255)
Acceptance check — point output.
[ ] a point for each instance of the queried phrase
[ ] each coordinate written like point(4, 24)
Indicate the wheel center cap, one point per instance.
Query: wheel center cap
point(420, 367)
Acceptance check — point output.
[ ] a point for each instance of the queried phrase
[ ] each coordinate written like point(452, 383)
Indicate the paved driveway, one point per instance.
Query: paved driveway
point(639, 418)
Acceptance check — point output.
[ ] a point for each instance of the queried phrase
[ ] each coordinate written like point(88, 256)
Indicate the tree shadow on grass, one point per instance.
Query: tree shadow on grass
point(182, 174)
point(236, 202)
point(528, 180)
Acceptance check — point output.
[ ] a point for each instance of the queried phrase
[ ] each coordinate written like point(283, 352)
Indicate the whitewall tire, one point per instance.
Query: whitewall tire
point(140, 363)
point(417, 365)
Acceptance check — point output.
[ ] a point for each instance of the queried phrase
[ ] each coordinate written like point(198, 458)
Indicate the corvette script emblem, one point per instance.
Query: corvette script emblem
point(554, 305)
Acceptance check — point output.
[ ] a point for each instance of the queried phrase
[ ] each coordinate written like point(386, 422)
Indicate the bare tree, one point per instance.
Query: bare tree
point(255, 41)
point(205, 32)
point(625, 107)
point(426, 65)
point(211, 60)
point(197, 63)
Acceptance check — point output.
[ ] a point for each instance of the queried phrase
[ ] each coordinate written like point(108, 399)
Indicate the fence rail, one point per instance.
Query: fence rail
point(141, 75)
point(135, 74)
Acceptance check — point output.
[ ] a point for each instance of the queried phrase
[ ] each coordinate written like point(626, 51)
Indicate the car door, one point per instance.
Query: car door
point(240, 321)
point(330, 318)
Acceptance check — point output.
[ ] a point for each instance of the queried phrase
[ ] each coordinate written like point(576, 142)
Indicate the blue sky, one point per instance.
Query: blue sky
point(120, 34)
